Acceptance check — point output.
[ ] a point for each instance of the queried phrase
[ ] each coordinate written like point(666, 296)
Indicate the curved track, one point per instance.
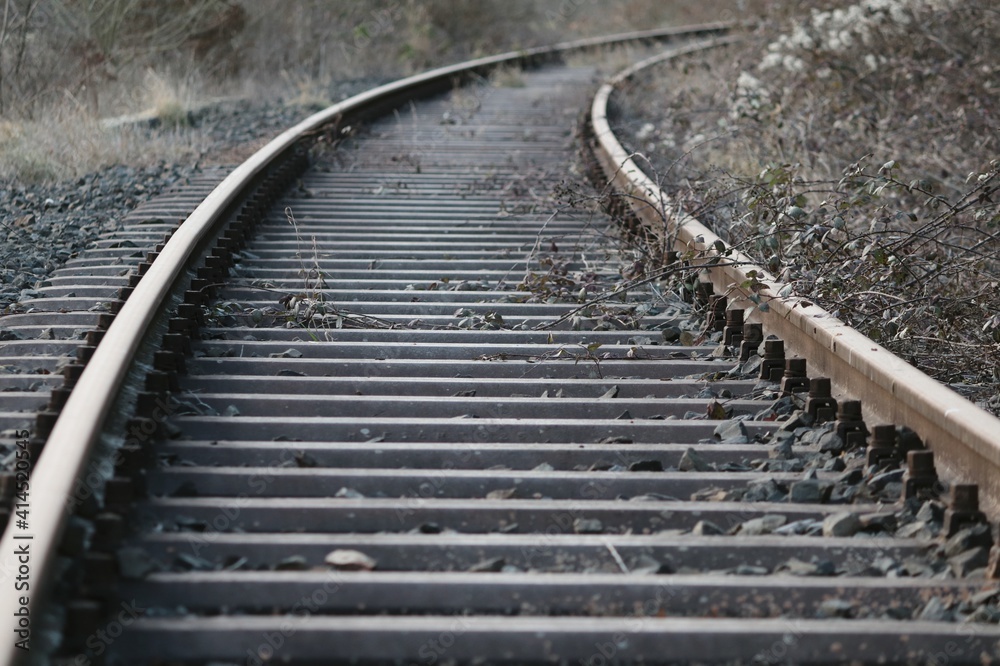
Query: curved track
point(395, 417)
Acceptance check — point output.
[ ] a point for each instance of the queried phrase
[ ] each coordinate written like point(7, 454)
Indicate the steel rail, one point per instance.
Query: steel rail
point(79, 426)
point(964, 437)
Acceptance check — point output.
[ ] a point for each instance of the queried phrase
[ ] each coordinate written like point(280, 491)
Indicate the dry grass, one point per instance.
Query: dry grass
point(72, 142)
point(77, 62)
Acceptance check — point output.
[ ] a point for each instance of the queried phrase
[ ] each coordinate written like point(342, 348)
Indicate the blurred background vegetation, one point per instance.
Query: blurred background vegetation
point(67, 64)
point(103, 54)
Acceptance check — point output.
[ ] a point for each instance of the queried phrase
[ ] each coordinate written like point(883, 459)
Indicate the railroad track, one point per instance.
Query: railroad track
point(387, 401)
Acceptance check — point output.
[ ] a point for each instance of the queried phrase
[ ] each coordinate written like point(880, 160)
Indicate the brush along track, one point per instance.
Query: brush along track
point(381, 449)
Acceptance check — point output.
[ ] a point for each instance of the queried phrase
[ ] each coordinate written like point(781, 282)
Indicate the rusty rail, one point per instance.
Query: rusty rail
point(965, 438)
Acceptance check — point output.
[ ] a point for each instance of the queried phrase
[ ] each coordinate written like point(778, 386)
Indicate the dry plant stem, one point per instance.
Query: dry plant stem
point(616, 292)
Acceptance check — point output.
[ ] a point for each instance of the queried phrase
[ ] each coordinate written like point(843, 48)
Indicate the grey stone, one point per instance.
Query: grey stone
point(779, 436)
point(916, 568)
point(646, 565)
point(693, 461)
point(588, 526)
point(762, 525)
point(883, 522)
point(830, 442)
point(849, 477)
point(784, 406)
point(811, 491)
point(984, 614)
point(711, 494)
point(646, 466)
point(841, 525)
point(671, 333)
point(931, 511)
point(826, 568)
point(345, 559)
point(804, 526)
point(791, 465)
point(914, 530)
point(764, 491)
point(967, 562)
point(835, 465)
point(835, 608)
point(885, 564)
point(749, 570)
point(797, 419)
point(892, 491)
point(969, 537)
point(706, 528)
point(782, 450)
point(935, 610)
point(797, 567)
point(984, 597)
point(732, 432)
point(751, 367)
point(879, 481)
point(135, 563)
point(654, 497)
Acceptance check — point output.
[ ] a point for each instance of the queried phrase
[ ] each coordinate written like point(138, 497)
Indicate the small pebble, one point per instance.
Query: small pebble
point(691, 460)
point(761, 525)
point(588, 526)
point(841, 525)
point(344, 559)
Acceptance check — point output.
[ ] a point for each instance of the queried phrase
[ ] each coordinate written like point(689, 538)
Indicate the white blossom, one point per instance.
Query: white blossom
point(645, 132)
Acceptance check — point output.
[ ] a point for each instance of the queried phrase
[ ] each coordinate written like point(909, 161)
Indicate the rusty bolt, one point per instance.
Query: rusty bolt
point(104, 320)
point(119, 492)
point(963, 508)
point(794, 379)
point(883, 447)
point(753, 335)
point(920, 477)
point(820, 404)
point(44, 422)
point(703, 293)
point(71, 374)
point(85, 352)
point(109, 531)
point(850, 425)
point(773, 364)
point(717, 313)
point(58, 398)
point(732, 334)
point(83, 618)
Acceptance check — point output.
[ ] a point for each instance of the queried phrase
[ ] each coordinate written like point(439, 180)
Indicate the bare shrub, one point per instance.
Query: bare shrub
point(113, 57)
point(853, 151)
